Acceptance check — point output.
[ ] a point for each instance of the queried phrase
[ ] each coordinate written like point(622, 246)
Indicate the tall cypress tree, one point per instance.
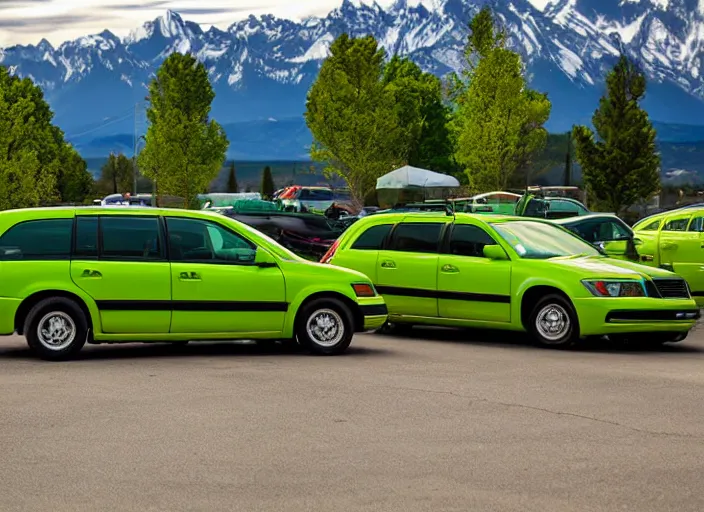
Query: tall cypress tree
point(267, 187)
point(620, 163)
point(232, 187)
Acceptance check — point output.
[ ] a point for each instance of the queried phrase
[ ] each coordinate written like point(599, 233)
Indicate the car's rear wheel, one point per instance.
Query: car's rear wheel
point(553, 322)
point(56, 329)
point(325, 326)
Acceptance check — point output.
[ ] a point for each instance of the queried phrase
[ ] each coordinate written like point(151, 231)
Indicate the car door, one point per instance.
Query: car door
point(688, 258)
point(646, 240)
point(407, 268)
point(673, 233)
point(471, 286)
point(363, 252)
point(216, 285)
point(120, 261)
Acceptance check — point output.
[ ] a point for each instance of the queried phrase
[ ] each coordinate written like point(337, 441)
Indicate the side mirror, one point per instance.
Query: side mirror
point(495, 252)
point(263, 259)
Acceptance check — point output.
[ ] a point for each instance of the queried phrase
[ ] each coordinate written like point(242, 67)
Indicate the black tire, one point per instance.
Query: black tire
point(561, 319)
point(330, 310)
point(68, 319)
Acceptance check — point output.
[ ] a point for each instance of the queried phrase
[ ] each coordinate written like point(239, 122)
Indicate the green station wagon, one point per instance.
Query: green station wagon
point(511, 273)
point(106, 275)
point(674, 241)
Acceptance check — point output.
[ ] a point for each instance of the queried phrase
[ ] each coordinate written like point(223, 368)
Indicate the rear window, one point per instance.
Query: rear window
point(48, 239)
point(417, 237)
point(373, 238)
point(315, 194)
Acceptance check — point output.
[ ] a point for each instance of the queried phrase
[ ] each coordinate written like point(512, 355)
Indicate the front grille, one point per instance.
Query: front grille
point(672, 288)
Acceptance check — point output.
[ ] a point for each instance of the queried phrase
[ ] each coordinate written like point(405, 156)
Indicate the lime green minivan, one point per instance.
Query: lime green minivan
point(511, 273)
point(106, 275)
point(674, 241)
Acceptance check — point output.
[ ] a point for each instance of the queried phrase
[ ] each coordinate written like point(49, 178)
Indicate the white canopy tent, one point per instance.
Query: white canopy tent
point(413, 177)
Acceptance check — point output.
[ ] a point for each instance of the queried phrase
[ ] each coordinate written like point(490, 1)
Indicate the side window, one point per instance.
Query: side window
point(653, 226)
point(676, 224)
point(417, 237)
point(207, 242)
point(467, 240)
point(697, 224)
point(373, 238)
point(611, 231)
point(585, 231)
point(86, 245)
point(48, 239)
point(132, 238)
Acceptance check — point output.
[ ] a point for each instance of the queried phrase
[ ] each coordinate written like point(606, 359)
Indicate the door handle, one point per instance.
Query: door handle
point(451, 269)
point(91, 273)
point(667, 246)
point(186, 276)
point(388, 264)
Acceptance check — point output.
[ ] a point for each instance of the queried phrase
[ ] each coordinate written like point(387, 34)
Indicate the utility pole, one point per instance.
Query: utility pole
point(134, 152)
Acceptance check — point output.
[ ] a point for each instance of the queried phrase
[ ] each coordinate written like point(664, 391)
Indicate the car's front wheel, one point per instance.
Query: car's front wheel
point(325, 326)
point(56, 328)
point(553, 322)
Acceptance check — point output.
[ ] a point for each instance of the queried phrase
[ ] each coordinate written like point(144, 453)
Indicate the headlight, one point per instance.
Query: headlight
point(615, 288)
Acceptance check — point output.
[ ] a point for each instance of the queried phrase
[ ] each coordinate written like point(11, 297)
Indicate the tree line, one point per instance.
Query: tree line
point(368, 115)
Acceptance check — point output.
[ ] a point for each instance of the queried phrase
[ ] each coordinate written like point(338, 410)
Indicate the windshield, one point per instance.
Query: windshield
point(538, 240)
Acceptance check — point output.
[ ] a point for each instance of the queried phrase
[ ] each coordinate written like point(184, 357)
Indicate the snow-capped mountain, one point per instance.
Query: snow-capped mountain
point(261, 68)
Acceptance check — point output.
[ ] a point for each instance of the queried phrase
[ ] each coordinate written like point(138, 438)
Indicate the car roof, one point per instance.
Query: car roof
point(52, 211)
point(579, 218)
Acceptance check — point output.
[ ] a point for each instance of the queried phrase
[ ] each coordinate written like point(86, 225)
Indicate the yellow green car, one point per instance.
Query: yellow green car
point(674, 241)
point(512, 273)
point(108, 275)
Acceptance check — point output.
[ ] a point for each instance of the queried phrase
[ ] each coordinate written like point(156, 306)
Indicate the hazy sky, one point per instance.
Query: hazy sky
point(27, 21)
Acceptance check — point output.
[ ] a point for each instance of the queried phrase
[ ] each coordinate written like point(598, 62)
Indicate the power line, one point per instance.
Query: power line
point(108, 123)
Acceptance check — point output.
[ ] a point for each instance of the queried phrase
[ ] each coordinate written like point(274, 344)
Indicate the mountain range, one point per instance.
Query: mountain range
point(262, 67)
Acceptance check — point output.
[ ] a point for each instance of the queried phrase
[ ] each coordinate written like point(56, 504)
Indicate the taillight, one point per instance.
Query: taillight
point(331, 252)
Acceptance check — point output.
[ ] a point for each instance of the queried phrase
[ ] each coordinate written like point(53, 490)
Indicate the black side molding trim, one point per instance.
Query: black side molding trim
point(186, 305)
point(435, 294)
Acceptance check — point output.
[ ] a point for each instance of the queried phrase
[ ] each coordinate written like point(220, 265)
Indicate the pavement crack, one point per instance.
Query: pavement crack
point(556, 413)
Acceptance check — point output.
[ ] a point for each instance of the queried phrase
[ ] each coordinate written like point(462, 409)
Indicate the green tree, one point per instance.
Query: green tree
point(34, 156)
point(353, 116)
point(498, 121)
point(266, 188)
point(74, 181)
point(116, 175)
point(420, 108)
point(232, 187)
point(620, 163)
point(184, 149)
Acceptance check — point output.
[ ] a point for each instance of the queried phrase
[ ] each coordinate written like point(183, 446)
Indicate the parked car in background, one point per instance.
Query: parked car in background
point(674, 241)
point(500, 272)
point(605, 231)
point(531, 205)
point(300, 199)
point(69, 275)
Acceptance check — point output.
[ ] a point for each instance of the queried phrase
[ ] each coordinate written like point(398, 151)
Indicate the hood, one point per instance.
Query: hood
point(327, 271)
point(603, 267)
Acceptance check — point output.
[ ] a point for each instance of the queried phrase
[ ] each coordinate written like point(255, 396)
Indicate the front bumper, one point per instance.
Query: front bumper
point(623, 315)
point(373, 311)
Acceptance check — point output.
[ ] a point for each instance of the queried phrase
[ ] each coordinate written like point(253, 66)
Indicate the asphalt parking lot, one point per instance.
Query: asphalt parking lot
point(441, 421)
